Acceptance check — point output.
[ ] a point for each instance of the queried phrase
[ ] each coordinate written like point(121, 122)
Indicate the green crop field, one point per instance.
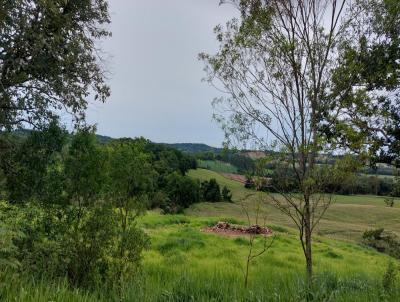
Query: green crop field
point(217, 166)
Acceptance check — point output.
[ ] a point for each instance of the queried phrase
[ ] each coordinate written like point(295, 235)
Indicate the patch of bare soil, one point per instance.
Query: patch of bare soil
point(225, 228)
point(236, 177)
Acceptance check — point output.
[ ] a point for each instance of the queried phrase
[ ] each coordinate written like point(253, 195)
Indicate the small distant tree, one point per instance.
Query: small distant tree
point(182, 191)
point(389, 201)
point(210, 190)
point(226, 194)
point(249, 182)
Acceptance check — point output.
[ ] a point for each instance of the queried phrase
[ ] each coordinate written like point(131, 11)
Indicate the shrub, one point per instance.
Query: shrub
point(382, 241)
point(389, 201)
point(226, 194)
point(181, 191)
point(85, 251)
point(249, 183)
point(389, 278)
point(210, 190)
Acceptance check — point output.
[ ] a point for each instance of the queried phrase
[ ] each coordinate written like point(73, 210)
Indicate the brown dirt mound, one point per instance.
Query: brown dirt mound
point(225, 228)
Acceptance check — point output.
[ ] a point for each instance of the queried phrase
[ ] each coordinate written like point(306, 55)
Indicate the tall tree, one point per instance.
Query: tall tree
point(275, 65)
point(49, 60)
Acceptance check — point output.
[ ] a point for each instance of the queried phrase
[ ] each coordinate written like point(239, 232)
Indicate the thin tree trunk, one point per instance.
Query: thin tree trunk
point(308, 243)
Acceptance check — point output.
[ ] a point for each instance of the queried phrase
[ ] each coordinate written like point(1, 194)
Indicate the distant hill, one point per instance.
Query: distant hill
point(24, 133)
point(194, 148)
point(102, 139)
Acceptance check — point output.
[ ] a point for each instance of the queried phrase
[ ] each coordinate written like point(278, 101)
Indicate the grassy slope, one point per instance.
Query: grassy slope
point(186, 264)
point(184, 260)
point(347, 218)
point(217, 166)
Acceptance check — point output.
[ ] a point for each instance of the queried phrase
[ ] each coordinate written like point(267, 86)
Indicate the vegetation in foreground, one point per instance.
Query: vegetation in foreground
point(71, 226)
point(185, 264)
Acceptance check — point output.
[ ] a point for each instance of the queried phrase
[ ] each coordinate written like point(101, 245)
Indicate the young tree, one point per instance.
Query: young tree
point(210, 190)
point(49, 60)
point(85, 170)
point(275, 65)
point(182, 191)
point(131, 179)
point(226, 194)
point(253, 252)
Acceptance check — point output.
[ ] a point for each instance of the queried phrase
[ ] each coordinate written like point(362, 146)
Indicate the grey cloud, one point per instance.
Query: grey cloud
point(155, 76)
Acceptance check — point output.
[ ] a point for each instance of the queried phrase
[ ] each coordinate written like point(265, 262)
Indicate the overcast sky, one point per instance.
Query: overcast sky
point(155, 75)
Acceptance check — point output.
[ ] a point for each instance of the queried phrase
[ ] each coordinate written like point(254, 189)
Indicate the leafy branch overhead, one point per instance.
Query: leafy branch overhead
point(49, 60)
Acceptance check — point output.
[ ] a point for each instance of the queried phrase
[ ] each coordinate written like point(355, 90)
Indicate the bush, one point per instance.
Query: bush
point(210, 190)
point(181, 192)
point(383, 242)
point(389, 278)
point(226, 194)
point(249, 183)
point(389, 201)
point(59, 246)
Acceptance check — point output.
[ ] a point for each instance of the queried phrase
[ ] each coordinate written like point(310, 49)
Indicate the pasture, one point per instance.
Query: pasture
point(184, 263)
point(346, 219)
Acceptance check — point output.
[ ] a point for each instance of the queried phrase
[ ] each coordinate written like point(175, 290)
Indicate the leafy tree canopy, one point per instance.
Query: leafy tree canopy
point(49, 61)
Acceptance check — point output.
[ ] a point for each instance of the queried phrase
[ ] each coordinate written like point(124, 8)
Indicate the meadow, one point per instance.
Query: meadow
point(217, 166)
point(184, 263)
point(347, 218)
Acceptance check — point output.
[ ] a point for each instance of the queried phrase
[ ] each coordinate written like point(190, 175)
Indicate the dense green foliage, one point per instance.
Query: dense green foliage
point(210, 190)
point(383, 241)
point(368, 60)
point(49, 60)
point(181, 192)
point(73, 203)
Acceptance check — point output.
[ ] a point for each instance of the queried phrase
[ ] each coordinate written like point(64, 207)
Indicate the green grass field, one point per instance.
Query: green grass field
point(217, 166)
point(186, 264)
point(347, 218)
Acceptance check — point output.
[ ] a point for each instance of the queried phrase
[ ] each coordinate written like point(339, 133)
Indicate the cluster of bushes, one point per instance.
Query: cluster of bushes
point(70, 204)
point(73, 204)
point(211, 192)
point(382, 241)
point(181, 192)
point(282, 179)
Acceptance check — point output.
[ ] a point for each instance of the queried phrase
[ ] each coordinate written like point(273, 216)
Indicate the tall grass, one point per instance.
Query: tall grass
point(186, 264)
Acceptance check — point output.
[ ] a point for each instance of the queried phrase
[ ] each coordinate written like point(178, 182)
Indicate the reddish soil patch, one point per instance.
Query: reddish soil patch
point(225, 228)
point(236, 177)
